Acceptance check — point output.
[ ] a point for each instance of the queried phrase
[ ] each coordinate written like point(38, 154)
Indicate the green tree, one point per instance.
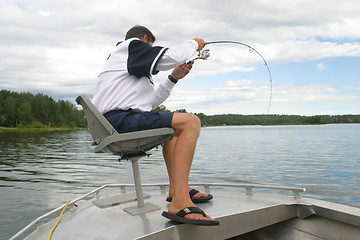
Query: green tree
point(25, 114)
point(161, 108)
point(39, 107)
point(29, 111)
point(10, 111)
point(313, 120)
point(181, 110)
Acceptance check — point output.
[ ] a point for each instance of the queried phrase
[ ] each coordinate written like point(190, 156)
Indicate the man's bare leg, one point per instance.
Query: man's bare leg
point(187, 130)
point(168, 150)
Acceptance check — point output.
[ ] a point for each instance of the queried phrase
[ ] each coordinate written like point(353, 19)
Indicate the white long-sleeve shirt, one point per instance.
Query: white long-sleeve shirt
point(125, 81)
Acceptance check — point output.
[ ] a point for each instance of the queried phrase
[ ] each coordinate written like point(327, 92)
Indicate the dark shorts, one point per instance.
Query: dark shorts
point(133, 120)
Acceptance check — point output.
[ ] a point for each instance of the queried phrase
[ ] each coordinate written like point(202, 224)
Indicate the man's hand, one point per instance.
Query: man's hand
point(201, 43)
point(182, 70)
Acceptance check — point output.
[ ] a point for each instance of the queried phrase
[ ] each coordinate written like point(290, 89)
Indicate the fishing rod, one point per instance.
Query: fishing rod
point(205, 54)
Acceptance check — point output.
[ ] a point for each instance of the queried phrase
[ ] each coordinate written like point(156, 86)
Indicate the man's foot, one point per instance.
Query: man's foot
point(180, 217)
point(178, 206)
point(196, 196)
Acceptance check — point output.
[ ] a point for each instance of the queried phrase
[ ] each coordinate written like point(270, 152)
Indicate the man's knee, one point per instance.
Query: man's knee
point(186, 120)
point(194, 122)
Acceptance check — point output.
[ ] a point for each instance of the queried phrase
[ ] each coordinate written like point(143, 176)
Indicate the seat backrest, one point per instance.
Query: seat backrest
point(99, 127)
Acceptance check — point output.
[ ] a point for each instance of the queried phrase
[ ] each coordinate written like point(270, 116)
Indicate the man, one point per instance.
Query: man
point(125, 95)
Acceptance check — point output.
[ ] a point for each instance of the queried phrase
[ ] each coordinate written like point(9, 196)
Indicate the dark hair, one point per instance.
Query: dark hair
point(140, 31)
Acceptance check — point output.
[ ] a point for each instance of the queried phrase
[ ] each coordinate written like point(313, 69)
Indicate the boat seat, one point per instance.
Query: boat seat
point(126, 145)
point(131, 146)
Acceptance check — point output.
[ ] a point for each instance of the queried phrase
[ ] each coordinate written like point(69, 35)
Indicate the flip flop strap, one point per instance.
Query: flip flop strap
point(190, 210)
point(193, 192)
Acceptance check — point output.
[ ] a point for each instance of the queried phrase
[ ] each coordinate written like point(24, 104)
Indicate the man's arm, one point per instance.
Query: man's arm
point(179, 54)
point(164, 89)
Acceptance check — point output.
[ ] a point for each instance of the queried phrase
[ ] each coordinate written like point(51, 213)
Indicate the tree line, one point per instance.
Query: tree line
point(276, 119)
point(268, 119)
point(28, 110)
point(35, 111)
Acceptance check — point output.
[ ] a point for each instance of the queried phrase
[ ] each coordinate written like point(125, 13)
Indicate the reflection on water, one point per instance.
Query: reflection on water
point(41, 171)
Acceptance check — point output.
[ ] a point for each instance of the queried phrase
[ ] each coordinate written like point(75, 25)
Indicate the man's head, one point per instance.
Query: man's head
point(141, 32)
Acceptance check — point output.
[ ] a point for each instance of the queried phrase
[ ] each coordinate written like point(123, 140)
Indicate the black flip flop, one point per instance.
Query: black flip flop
point(179, 217)
point(195, 200)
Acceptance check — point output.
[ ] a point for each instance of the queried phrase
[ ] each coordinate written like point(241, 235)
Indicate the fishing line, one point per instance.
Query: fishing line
point(205, 54)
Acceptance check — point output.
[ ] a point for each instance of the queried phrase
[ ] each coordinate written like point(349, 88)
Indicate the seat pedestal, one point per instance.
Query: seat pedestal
point(141, 207)
point(135, 210)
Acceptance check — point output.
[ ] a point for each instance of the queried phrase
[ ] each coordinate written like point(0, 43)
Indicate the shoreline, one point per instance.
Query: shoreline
point(21, 130)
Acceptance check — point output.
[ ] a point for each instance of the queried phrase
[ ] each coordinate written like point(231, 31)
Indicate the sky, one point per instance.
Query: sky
point(312, 48)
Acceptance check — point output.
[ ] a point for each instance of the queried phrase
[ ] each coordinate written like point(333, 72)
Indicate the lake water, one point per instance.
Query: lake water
point(41, 171)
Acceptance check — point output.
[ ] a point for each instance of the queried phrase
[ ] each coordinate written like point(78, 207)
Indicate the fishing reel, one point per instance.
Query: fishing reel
point(204, 54)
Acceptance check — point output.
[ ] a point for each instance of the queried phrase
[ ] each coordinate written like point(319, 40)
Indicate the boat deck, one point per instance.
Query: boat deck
point(239, 211)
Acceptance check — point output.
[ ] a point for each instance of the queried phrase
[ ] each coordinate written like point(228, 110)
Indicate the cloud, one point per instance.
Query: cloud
point(44, 13)
point(248, 98)
point(59, 46)
point(320, 66)
point(238, 84)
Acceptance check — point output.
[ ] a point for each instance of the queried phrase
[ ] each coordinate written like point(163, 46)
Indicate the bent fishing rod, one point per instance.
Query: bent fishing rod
point(205, 54)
